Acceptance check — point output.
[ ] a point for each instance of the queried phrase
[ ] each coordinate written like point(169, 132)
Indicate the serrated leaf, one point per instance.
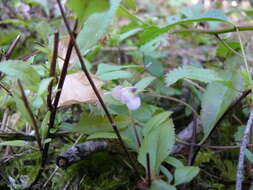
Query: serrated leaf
point(193, 73)
point(154, 31)
point(161, 185)
point(89, 124)
point(158, 143)
point(95, 27)
point(216, 100)
point(20, 70)
point(185, 174)
point(85, 8)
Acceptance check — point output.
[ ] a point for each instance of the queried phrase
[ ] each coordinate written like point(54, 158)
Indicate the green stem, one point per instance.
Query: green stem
point(213, 32)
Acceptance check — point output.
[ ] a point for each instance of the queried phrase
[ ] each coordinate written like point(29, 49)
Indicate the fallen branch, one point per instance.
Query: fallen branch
point(245, 140)
point(80, 152)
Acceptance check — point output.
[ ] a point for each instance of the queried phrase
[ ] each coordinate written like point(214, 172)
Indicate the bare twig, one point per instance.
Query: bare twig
point(240, 166)
point(84, 69)
point(34, 124)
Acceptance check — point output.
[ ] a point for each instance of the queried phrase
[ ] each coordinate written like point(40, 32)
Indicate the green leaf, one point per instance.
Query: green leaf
point(193, 73)
point(112, 72)
point(95, 27)
point(104, 68)
point(153, 66)
point(115, 75)
point(153, 31)
point(249, 155)
point(130, 3)
point(167, 174)
point(42, 92)
point(161, 185)
point(158, 143)
point(15, 143)
point(44, 126)
point(223, 51)
point(143, 83)
point(216, 100)
point(20, 70)
point(156, 121)
point(85, 8)
point(185, 174)
point(174, 162)
point(89, 124)
point(107, 135)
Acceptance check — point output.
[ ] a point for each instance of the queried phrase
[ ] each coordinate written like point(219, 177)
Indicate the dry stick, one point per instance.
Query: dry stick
point(54, 110)
point(52, 70)
point(34, 124)
point(84, 69)
point(240, 166)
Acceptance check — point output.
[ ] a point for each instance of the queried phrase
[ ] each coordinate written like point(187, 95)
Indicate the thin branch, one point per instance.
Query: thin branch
point(84, 69)
point(174, 99)
point(12, 47)
point(240, 166)
point(52, 69)
point(34, 124)
point(213, 32)
point(226, 45)
point(80, 152)
point(6, 89)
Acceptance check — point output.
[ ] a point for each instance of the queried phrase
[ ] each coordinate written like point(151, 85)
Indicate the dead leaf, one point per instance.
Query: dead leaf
point(62, 50)
point(77, 89)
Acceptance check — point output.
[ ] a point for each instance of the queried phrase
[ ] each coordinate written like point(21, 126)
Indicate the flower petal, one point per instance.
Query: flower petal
point(116, 92)
point(134, 103)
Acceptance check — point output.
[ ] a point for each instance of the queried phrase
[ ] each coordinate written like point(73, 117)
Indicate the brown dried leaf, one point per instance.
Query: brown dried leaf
point(62, 50)
point(77, 89)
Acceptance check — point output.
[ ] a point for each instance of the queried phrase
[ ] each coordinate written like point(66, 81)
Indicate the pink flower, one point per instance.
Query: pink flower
point(126, 96)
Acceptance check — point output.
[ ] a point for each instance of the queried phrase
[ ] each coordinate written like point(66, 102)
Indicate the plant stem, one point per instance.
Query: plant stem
point(240, 166)
point(213, 32)
point(84, 69)
point(52, 70)
point(34, 124)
